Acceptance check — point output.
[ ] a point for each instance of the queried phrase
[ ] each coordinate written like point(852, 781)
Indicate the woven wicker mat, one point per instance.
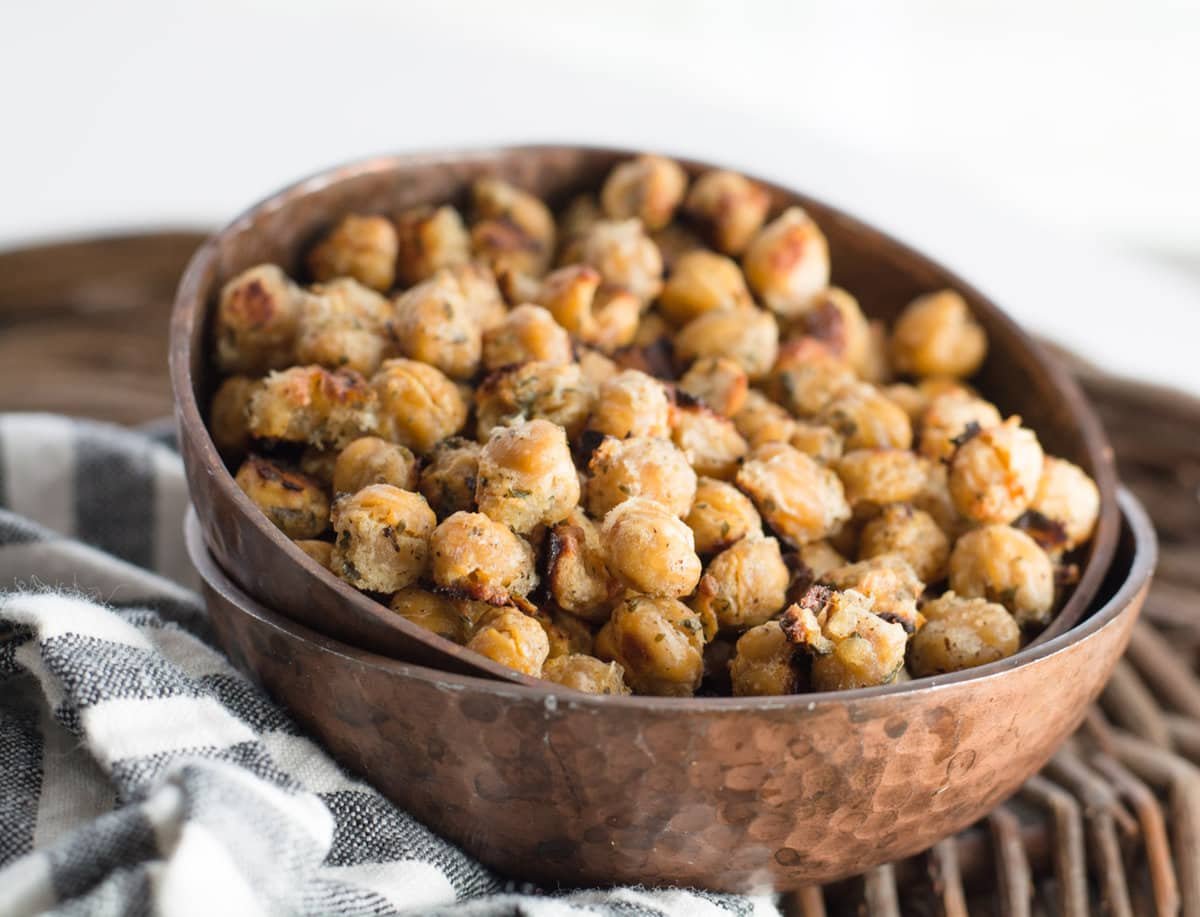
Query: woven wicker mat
point(1111, 825)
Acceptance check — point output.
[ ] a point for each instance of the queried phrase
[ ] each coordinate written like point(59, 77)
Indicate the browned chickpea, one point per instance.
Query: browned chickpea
point(934, 498)
point(908, 398)
point(1004, 565)
point(371, 460)
point(807, 376)
point(362, 247)
point(764, 663)
point(748, 336)
point(820, 557)
point(851, 646)
point(228, 418)
point(889, 581)
point(961, 633)
point(819, 440)
point(482, 559)
point(729, 208)
point(557, 393)
point(799, 498)
point(720, 516)
point(835, 319)
point(936, 336)
point(718, 382)
point(701, 282)
point(760, 421)
point(581, 672)
point(787, 263)
point(951, 417)
point(596, 367)
point(1068, 497)
point(876, 366)
point(674, 241)
point(382, 537)
point(429, 239)
point(514, 231)
point(744, 585)
point(478, 287)
point(320, 551)
point(994, 476)
point(875, 477)
point(294, 502)
point(434, 612)
point(318, 464)
point(602, 317)
point(448, 480)
point(309, 404)
point(418, 405)
point(649, 549)
point(640, 466)
point(576, 573)
point(257, 318)
point(526, 476)
point(868, 419)
point(910, 533)
point(658, 641)
point(711, 442)
point(625, 257)
point(647, 187)
point(434, 324)
point(513, 639)
point(343, 324)
point(580, 215)
point(528, 333)
point(632, 403)
point(567, 635)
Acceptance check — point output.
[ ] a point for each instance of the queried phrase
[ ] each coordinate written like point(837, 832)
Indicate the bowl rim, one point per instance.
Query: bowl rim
point(1141, 569)
point(186, 311)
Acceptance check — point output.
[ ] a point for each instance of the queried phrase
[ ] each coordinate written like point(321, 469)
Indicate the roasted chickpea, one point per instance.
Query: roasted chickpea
point(418, 405)
point(477, 285)
point(799, 498)
point(294, 502)
point(362, 247)
point(576, 573)
point(596, 367)
point(889, 581)
point(936, 336)
point(647, 187)
point(257, 319)
point(481, 559)
point(949, 419)
point(526, 476)
point(625, 257)
point(1004, 565)
point(836, 320)
point(429, 239)
point(434, 612)
point(580, 215)
point(868, 418)
point(649, 549)
point(711, 442)
point(658, 641)
point(640, 466)
point(528, 334)
point(309, 404)
point(1068, 497)
point(748, 336)
point(343, 324)
point(819, 440)
point(382, 537)
point(448, 480)
point(820, 557)
point(701, 282)
point(320, 551)
point(718, 382)
point(934, 498)
point(434, 324)
point(876, 366)
point(566, 634)
point(557, 393)
point(371, 460)
point(581, 672)
point(228, 418)
point(729, 208)
point(764, 663)
point(875, 477)
point(744, 585)
point(909, 398)
point(632, 403)
point(787, 263)
point(994, 476)
point(514, 232)
point(512, 639)
point(910, 533)
point(762, 421)
point(674, 241)
point(602, 317)
point(851, 647)
point(961, 633)
point(807, 376)
point(318, 464)
point(720, 516)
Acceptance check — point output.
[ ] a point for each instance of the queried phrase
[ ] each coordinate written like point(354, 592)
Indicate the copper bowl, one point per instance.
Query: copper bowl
point(883, 273)
point(730, 794)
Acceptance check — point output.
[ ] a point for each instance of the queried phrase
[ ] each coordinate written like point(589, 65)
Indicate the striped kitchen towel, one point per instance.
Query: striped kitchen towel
point(140, 773)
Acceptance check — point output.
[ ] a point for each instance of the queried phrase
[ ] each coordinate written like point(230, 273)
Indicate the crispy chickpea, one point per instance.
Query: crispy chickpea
point(596, 367)
point(566, 634)
point(744, 585)
point(1067, 496)
point(760, 421)
point(649, 549)
point(799, 498)
point(876, 366)
point(819, 440)
point(949, 418)
point(701, 282)
point(1004, 565)
point(720, 516)
point(718, 382)
point(934, 498)
point(478, 287)
point(434, 324)
point(448, 480)
point(632, 403)
point(658, 641)
point(748, 336)
point(889, 581)
point(961, 633)
point(580, 215)
point(310, 404)
point(640, 466)
point(647, 187)
point(429, 239)
point(909, 533)
point(526, 476)
point(936, 335)
point(434, 612)
point(418, 405)
point(625, 257)
point(320, 551)
point(371, 460)
point(362, 247)
point(382, 537)
point(512, 639)
point(528, 333)
point(602, 317)
point(807, 376)
point(787, 263)
point(343, 324)
point(837, 321)
point(581, 672)
point(482, 559)
point(711, 442)
point(294, 502)
point(764, 663)
point(576, 573)
point(820, 557)
point(909, 398)
point(994, 476)
point(674, 241)
point(868, 418)
point(851, 646)
point(257, 318)
point(557, 393)
point(729, 208)
point(875, 477)
point(228, 418)
point(514, 232)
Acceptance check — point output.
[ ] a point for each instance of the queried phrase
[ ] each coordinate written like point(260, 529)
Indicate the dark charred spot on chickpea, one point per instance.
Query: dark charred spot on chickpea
point(802, 578)
point(685, 399)
point(256, 303)
point(475, 591)
point(1050, 534)
point(826, 323)
point(589, 442)
point(969, 432)
point(656, 359)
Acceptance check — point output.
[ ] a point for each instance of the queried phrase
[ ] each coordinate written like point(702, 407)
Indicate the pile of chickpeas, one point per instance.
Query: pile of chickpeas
point(642, 445)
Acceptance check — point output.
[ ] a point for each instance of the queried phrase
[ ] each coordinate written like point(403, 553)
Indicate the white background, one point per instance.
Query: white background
point(1047, 150)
